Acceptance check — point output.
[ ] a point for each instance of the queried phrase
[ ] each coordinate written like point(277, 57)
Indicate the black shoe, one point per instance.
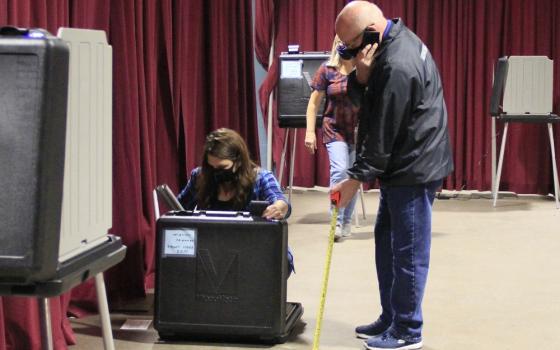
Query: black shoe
point(371, 330)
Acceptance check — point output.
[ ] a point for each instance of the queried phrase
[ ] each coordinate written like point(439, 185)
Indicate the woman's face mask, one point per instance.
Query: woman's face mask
point(222, 170)
point(223, 175)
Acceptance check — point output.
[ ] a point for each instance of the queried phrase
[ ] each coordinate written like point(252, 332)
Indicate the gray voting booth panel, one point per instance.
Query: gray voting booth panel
point(33, 96)
point(88, 174)
point(70, 227)
point(528, 86)
point(294, 87)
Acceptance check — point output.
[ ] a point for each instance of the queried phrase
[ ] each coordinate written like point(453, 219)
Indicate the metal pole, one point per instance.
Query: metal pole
point(500, 163)
point(283, 156)
point(45, 320)
point(292, 165)
point(104, 312)
point(269, 114)
point(554, 169)
point(493, 157)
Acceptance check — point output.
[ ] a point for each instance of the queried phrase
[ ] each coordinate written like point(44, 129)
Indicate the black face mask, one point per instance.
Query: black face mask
point(369, 37)
point(223, 175)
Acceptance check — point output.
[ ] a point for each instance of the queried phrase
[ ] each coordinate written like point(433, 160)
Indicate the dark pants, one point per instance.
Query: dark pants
point(402, 254)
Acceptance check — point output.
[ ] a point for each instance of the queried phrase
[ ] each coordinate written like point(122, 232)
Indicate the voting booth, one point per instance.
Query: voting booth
point(522, 92)
point(56, 178)
point(294, 87)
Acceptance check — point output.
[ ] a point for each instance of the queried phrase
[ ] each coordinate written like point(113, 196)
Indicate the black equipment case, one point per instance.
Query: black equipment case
point(222, 275)
point(33, 102)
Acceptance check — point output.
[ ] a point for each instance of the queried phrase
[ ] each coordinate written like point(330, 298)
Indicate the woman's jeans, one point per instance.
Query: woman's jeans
point(403, 231)
point(341, 157)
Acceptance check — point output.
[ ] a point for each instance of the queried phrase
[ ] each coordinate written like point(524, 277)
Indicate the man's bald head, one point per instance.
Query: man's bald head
point(355, 17)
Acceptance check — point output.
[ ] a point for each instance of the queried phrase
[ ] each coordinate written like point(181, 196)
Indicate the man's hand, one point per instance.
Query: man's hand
point(364, 63)
point(347, 189)
point(310, 141)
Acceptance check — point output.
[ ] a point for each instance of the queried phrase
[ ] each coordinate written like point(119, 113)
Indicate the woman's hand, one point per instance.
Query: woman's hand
point(310, 141)
point(328, 129)
point(276, 210)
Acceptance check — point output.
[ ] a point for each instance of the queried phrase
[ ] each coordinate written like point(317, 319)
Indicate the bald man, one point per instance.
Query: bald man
point(403, 142)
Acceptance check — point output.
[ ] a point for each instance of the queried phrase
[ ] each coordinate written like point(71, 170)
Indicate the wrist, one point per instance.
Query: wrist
point(362, 78)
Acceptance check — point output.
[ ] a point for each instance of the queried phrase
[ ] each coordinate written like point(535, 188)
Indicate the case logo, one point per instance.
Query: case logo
point(217, 278)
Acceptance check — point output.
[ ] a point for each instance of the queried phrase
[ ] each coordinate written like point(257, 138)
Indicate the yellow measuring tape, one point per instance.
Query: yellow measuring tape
point(335, 198)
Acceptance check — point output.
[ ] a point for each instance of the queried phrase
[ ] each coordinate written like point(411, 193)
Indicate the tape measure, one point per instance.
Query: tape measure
point(335, 199)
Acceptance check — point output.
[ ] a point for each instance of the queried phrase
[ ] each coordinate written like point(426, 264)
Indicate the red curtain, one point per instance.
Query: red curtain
point(180, 70)
point(265, 12)
point(311, 25)
point(465, 38)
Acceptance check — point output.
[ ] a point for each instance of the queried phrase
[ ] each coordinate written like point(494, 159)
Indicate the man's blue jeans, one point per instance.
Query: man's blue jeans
point(403, 231)
point(341, 157)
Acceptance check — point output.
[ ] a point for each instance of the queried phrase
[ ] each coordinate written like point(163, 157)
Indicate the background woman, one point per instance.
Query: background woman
point(339, 125)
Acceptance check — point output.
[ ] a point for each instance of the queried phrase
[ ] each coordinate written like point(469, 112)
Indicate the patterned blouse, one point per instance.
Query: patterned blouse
point(341, 115)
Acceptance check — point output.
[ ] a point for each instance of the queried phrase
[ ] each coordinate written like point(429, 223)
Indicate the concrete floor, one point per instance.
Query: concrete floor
point(493, 282)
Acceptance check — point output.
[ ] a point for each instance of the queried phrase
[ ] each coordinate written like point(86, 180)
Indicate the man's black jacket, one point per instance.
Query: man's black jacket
point(402, 134)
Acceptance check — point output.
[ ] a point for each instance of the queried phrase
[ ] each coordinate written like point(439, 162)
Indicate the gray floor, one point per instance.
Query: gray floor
point(493, 282)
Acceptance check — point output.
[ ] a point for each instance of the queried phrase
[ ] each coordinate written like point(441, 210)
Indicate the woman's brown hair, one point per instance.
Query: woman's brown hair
point(226, 144)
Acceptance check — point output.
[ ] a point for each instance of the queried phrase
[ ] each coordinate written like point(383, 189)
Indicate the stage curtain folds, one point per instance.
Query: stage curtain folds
point(465, 38)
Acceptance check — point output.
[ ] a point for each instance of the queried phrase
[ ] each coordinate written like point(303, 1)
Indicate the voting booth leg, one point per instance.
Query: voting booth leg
point(106, 330)
point(500, 163)
point(493, 149)
point(495, 189)
point(45, 323)
point(363, 202)
point(283, 157)
point(357, 220)
point(554, 168)
point(292, 160)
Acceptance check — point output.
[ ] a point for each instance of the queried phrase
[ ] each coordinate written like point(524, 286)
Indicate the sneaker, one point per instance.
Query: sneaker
point(371, 330)
point(388, 341)
point(346, 230)
point(337, 233)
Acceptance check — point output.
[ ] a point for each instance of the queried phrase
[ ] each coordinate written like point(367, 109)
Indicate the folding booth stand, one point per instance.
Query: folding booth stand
point(68, 275)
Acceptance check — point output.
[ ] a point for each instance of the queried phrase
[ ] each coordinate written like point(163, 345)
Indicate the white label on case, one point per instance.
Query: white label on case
point(180, 242)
